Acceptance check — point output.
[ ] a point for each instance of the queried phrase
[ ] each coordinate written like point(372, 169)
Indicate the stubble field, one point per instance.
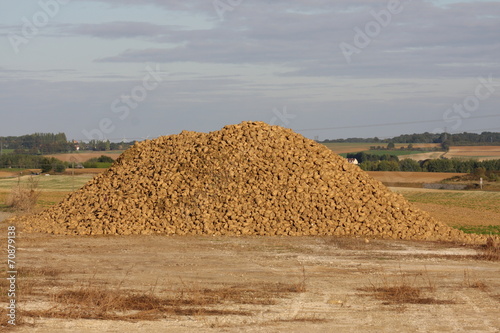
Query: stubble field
point(479, 152)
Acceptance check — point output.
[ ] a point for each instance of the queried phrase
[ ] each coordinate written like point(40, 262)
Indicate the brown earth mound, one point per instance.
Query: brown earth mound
point(246, 179)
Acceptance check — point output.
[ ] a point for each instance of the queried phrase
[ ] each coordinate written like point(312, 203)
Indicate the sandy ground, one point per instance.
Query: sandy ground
point(460, 293)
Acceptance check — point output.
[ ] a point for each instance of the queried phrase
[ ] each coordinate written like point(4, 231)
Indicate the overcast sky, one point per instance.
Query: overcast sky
point(328, 69)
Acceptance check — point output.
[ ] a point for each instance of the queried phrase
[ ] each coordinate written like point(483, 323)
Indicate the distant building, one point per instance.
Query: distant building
point(353, 160)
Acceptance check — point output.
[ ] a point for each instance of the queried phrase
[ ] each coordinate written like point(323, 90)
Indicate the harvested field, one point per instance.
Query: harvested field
point(479, 152)
point(424, 156)
point(461, 216)
point(247, 179)
point(52, 183)
point(477, 200)
point(6, 174)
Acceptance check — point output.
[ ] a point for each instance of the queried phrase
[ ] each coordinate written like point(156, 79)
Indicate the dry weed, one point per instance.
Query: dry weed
point(491, 251)
point(23, 198)
point(403, 289)
point(91, 301)
point(470, 281)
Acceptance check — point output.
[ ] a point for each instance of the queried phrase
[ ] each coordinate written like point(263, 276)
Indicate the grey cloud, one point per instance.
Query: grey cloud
point(422, 40)
point(113, 30)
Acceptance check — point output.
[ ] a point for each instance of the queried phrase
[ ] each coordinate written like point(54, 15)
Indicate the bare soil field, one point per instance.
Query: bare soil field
point(252, 284)
point(479, 152)
point(5, 174)
point(411, 177)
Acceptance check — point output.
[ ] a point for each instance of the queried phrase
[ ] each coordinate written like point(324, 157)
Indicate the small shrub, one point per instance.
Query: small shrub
point(59, 168)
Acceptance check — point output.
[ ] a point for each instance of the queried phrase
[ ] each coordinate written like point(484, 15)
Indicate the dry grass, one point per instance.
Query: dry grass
point(471, 281)
point(96, 300)
point(490, 251)
point(101, 302)
point(405, 288)
point(302, 318)
point(31, 281)
point(23, 197)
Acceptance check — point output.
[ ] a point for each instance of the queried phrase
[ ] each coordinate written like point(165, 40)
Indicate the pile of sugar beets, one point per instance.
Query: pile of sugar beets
point(245, 179)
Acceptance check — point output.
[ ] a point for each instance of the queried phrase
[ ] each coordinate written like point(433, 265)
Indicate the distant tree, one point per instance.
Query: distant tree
point(105, 159)
point(390, 145)
point(60, 167)
point(408, 164)
point(388, 166)
point(45, 165)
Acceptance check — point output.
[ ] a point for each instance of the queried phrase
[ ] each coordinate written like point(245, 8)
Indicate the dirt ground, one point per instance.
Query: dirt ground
point(258, 284)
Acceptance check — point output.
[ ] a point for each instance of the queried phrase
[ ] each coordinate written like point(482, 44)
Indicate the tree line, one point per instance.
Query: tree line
point(23, 161)
point(484, 138)
point(386, 162)
point(38, 143)
point(50, 143)
point(47, 164)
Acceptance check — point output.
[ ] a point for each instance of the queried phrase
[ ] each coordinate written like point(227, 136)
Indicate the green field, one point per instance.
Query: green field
point(349, 147)
point(7, 151)
point(356, 147)
point(482, 229)
point(388, 152)
point(47, 183)
point(12, 169)
point(469, 199)
point(396, 152)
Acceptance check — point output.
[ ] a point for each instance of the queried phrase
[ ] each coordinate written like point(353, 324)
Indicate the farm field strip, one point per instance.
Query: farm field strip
point(479, 152)
point(356, 147)
point(84, 156)
point(411, 177)
point(477, 200)
point(48, 183)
